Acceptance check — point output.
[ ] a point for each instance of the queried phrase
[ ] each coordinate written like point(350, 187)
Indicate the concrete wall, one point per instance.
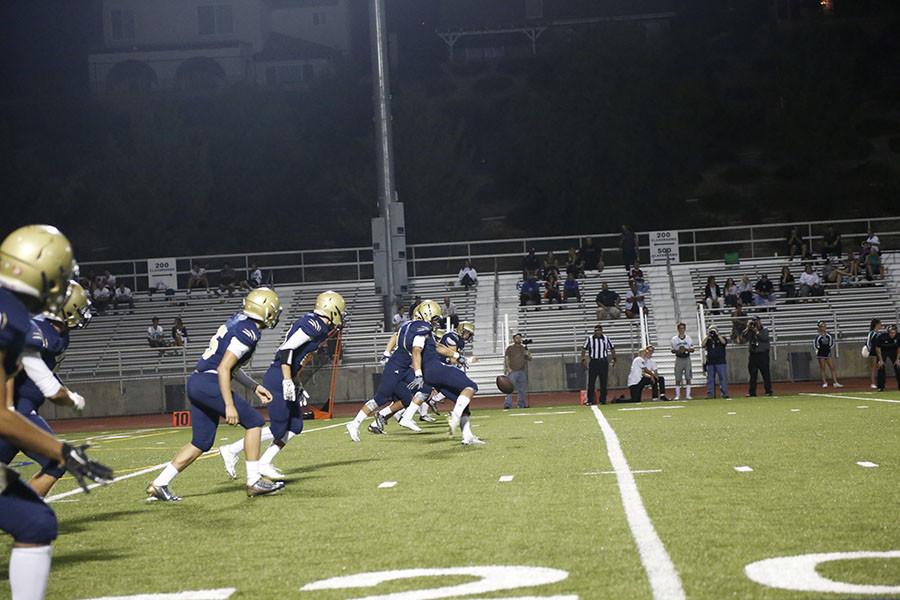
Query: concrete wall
point(355, 384)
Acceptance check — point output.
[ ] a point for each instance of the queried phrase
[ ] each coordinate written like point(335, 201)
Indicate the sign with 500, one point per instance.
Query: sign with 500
point(663, 244)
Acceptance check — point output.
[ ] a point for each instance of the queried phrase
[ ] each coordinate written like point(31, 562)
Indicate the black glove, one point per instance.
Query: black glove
point(76, 462)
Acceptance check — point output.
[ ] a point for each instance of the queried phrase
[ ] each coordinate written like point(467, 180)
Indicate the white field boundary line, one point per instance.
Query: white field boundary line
point(159, 467)
point(664, 407)
point(867, 399)
point(661, 572)
point(540, 414)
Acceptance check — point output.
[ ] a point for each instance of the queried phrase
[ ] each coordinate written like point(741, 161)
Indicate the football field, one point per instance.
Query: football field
point(657, 500)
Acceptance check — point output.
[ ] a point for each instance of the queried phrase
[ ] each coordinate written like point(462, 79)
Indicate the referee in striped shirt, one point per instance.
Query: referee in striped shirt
point(602, 354)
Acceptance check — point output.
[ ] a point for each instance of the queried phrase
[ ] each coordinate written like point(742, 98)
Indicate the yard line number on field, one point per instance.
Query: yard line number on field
point(661, 573)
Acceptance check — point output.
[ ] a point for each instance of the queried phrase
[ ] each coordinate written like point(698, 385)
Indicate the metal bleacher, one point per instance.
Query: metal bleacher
point(847, 310)
point(562, 328)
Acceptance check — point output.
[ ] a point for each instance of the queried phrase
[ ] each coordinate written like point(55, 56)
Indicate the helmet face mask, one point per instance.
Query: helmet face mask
point(75, 310)
point(263, 305)
point(466, 330)
point(37, 261)
point(332, 306)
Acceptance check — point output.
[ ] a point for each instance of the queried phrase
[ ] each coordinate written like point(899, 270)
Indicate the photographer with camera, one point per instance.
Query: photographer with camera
point(758, 361)
point(515, 364)
point(715, 363)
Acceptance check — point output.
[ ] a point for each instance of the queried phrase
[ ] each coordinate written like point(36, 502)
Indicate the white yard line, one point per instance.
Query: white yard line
point(540, 414)
point(386, 484)
point(661, 573)
point(868, 399)
point(78, 490)
point(744, 469)
point(867, 464)
point(505, 478)
point(639, 472)
point(654, 407)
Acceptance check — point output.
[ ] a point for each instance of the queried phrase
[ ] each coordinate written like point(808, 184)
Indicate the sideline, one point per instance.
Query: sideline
point(661, 573)
point(866, 398)
point(144, 471)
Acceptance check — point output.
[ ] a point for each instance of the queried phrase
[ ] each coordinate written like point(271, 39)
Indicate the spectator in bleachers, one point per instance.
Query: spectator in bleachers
point(574, 264)
point(515, 365)
point(400, 318)
point(873, 266)
point(591, 257)
point(450, 310)
point(870, 352)
point(636, 275)
point(110, 280)
point(629, 245)
point(86, 282)
point(198, 278)
point(156, 337)
point(886, 349)
point(738, 324)
point(227, 280)
point(745, 290)
point(100, 281)
point(795, 244)
point(634, 301)
point(853, 268)
point(730, 291)
point(571, 289)
point(715, 364)
point(102, 297)
point(831, 243)
point(551, 289)
point(529, 292)
point(758, 356)
point(123, 296)
point(607, 303)
point(786, 282)
point(551, 265)
point(161, 287)
point(530, 264)
point(832, 272)
point(468, 277)
point(255, 279)
point(712, 294)
point(765, 291)
point(179, 333)
point(810, 283)
point(873, 241)
point(416, 302)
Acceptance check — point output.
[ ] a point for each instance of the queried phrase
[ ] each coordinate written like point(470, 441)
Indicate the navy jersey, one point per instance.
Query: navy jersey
point(239, 335)
point(45, 340)
point(304, 337)
point(452, 339)
point(15, 325)
point(888, 344)
point(872, 339)
point(402, 356)
point(823, 343)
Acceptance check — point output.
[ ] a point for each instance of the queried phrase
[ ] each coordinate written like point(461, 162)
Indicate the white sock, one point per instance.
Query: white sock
point(687, 391)
point(466, 428)
point(269, 455)
point(677, 392)
point(461, 403)
point(386, 411)
point(398, 416)
point(360, 417)
point(410, 412)
point(236, 447)
point(29, 569)
point(423, 409)
point(252, 471)
point(167, 475)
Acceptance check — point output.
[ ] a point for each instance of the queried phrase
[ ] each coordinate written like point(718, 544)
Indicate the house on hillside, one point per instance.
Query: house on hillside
point(206, 44)
point(476, 30)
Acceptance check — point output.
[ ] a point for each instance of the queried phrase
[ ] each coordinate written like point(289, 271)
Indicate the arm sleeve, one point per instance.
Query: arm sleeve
point(41, 375)
point(238, 348)
point(419, 341)
point(587, 343)
point(241, 377)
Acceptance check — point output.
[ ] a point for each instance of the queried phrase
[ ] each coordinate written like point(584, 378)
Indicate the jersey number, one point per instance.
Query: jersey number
point(214, 343)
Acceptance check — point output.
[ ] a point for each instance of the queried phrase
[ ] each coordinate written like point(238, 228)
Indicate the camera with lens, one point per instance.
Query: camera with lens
point(526, 341)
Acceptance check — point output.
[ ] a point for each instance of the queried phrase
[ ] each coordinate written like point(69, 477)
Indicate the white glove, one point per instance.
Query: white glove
point(288, 390)
point(77, 400)
point(302, 395)
point(384, 358)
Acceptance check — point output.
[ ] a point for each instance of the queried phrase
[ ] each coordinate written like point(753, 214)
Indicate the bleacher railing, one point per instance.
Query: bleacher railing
point(445, 258)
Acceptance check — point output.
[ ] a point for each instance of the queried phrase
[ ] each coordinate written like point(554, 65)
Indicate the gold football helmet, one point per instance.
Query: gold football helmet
point(76, 311)
point(263, 305)
point(466, 327)
point(331, 305)
point(428, 311)
point(37, 261)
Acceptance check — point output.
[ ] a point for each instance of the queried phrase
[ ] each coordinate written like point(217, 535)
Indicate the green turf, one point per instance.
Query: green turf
point(806, 494)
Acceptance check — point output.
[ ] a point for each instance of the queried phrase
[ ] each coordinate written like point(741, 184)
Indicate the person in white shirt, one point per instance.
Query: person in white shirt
point(658, 384)
point(810, 284)
point(400, 319)
point(634, 300)
point(256, 277)
point(123, 296)
point(873, 241)
point(639, 376)
point(198, 278)
point(682, 347)
point(450, 311)
point(102, 296)
point(468, 277)
point(155, 335)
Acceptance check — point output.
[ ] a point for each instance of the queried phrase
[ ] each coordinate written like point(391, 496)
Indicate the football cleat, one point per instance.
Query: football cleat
point(230, 459)
point(411, 425)
point(473, 441)
point(161, 493)
point(836, 384)
point(271, 471)
point(264, 487)
point(434, 406)
point(353, 430)
point(380, 422)
point(373, 428)
point(453, 423)
point(427, 418)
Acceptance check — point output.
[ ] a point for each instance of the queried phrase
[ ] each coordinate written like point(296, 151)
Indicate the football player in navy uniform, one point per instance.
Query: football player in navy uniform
point(209, 390)
point(401, 380)
point(457, 340)
point(36, 264)
point(36, 382)
point(288, 396)
point(824, 344)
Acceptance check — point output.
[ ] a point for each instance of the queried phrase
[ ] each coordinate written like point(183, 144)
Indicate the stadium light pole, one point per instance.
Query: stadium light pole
point(385, 157)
